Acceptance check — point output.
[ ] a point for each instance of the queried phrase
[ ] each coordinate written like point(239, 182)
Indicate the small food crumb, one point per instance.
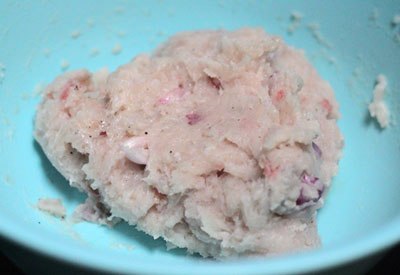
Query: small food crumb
point(396, 20)
point(295, 20)
point(374, 15)
point(121, 33)
point(331, 60)
point(377, 108)
point(2, 72)
point(46, 52)
point(94, 52)
point(117, 49)
point(53, 207)
point(64, 64)
point(7, 180)
point(39, 89)
point(90, 22)
point(75, 34)
point(314, 28)
point(122, 246)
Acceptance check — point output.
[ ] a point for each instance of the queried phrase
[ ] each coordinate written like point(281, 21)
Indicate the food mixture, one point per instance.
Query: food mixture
point(224, 143)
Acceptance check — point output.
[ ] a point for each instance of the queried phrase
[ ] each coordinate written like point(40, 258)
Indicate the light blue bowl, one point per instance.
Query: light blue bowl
point(354, 43)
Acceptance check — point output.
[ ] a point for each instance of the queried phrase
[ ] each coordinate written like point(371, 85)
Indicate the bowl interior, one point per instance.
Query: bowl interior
point(348, 42)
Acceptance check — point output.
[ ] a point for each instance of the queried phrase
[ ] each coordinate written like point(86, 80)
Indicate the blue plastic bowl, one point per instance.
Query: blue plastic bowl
point(355, 41)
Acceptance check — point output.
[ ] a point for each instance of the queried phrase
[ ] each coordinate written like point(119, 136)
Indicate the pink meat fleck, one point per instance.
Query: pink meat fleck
point(270, 171)
point(215, 82)
point(174, 95)
point(308, 179)
point(50, 95)
point(67, 89)
point(103, 134)
point(302, 199)
point(193, 118)
point(280, 95)
point(327, 105)
point(64, 94)
point(311, 181)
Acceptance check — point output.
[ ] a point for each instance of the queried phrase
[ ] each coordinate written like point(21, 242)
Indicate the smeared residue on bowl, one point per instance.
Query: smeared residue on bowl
point(53, 207)
point(7, 180)
point(391, 28)
point(395, 26)
point(314, 29)
point(295, 21)
point(2, 72)
point(121, 246)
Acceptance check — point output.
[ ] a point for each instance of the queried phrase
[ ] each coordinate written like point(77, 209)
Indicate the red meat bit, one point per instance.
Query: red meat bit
point(280, 95)
point(103, 134)
point(302, 199)
point(64, 94)
point(327, 105)
point(67, 89)
point(220, 172)
point(315, 183)
point(308, 179)
point(50, 95)
point(215, 82)
point(193, 118)
point(270, 171)
point(164, 100)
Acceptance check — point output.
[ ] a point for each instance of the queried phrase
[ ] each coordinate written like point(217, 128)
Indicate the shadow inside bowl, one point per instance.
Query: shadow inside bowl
point(148, 242)
point(69, 194)
point(73, 196)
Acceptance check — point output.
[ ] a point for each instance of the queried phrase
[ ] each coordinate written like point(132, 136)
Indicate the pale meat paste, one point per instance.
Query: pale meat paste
point(224, 143)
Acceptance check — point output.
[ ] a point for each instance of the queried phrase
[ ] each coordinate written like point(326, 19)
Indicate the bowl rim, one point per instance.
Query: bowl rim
point(376, 241)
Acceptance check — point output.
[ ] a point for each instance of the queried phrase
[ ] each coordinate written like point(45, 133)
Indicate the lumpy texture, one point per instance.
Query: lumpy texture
point(224, 143)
